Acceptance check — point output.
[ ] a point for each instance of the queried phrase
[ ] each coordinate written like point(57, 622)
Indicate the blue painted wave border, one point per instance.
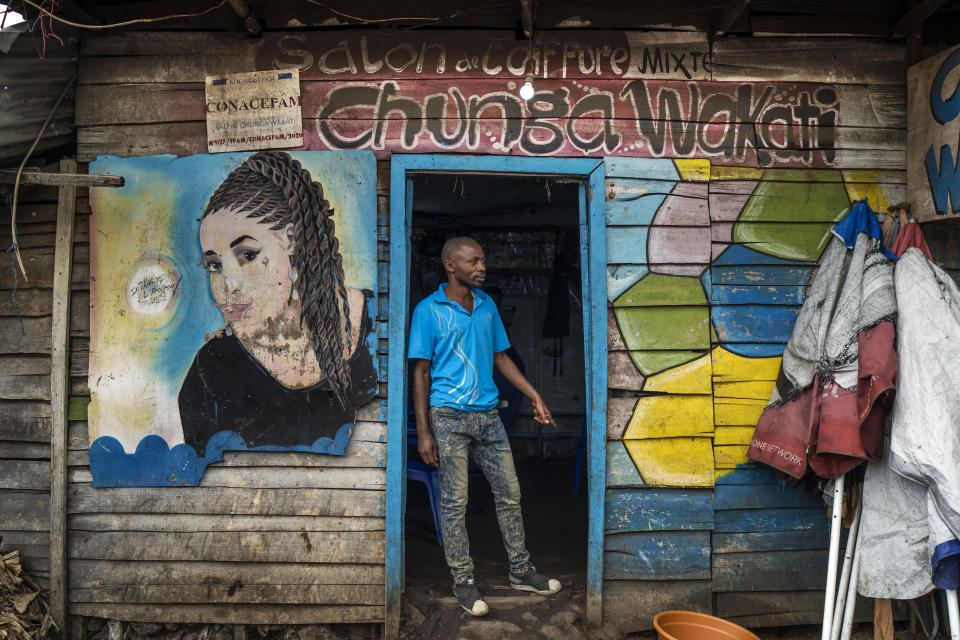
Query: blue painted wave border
point(155, 464)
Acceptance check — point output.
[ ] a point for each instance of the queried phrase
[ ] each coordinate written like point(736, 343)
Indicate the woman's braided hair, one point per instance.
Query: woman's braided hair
point(273, 187)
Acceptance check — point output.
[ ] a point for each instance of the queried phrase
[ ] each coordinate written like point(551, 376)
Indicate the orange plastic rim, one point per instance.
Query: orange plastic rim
point(689, 625)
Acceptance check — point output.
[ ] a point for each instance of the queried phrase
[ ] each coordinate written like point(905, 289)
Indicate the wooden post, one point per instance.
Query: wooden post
point(60, 397)
point(77, 627)
point(882, 619)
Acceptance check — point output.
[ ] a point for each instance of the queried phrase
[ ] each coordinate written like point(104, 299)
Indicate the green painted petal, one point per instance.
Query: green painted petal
point(791, 212)
point(664, 327)
point(656, 289)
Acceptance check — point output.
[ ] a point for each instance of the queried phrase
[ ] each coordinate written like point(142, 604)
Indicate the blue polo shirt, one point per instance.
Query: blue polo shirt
point(460, 348)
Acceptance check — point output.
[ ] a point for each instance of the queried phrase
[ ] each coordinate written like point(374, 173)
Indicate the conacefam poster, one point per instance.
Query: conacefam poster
point(233, 307)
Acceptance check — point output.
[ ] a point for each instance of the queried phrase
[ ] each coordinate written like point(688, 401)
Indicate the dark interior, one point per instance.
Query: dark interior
point(528, 228)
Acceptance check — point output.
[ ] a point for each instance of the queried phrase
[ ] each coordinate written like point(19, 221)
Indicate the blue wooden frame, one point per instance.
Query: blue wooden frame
point(593, 253)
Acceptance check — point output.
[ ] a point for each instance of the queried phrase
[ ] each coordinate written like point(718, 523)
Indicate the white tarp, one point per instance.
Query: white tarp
point(912, 498)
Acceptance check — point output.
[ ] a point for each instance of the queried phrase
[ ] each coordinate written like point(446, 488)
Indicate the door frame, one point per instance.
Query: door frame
point(593, 253)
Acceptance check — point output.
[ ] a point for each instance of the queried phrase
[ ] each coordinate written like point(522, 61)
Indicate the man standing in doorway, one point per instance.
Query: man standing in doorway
point(456, 339)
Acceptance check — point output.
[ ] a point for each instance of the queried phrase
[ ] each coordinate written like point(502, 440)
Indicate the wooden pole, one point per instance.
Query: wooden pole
point(882, 619)
point(60, 396)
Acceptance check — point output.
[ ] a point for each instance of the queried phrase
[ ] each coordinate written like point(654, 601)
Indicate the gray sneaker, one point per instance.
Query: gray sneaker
point(469, 597)
point(533, 581)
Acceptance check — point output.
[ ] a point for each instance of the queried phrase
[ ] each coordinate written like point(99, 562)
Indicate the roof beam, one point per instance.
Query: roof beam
point(526, 17)
point(730, 14)
point(250, 23)
point(915, 17)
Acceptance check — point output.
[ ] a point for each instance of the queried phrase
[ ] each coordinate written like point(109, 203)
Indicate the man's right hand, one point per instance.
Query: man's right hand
point(427, 447)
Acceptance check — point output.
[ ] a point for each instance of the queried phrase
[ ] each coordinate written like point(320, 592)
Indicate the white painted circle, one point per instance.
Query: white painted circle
point(152, 289)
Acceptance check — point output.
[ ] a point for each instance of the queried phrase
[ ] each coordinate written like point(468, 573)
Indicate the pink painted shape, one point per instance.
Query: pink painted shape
point(686, 206)
point(682, 251)
point(622, 373)
point(619, 412)
point(728, 197)
point(679, 239)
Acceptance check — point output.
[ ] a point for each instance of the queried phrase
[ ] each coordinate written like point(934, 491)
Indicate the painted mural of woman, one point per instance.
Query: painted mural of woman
point(291, 366)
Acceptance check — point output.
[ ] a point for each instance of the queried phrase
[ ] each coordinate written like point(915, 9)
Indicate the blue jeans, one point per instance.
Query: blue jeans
point(480, 434)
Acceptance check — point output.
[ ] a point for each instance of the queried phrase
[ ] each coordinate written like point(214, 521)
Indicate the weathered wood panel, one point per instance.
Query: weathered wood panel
point(765, 520)
point(363, 547)
point(362, 594)
point(659, 555)
point(282, 614)
point(621, 469)
point(39, 266)
point(358, 454)
point(658, 510)
point(94, 574)
point(770, 541)
point(732, 496)
point(629, 606)
point(781, 608)
point(769, 571)
point(25, 474)
point(213, 500)
point(26, 421)
point(26, 450)
point(338, 56)
point(219, 523)
point(25, 510)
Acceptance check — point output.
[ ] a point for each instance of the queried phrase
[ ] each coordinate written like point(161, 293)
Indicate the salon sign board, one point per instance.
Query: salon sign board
point(933, 125)
point(251, 111)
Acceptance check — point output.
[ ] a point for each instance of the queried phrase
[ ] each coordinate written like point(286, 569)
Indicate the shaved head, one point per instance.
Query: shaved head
point(453, 245)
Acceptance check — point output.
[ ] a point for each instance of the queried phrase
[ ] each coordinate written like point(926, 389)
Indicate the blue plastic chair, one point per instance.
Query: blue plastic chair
point(426, 474)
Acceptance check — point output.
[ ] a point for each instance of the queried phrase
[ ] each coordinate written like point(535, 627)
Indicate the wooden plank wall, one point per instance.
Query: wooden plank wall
point(694, 349)
point(704, 282)
point(25, 369)
point(707, 268)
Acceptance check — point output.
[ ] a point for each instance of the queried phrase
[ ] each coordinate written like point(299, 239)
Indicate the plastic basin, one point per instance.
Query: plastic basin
point(688, 625)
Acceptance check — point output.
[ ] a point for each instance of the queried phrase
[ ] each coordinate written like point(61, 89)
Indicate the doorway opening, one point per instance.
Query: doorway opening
point(529, 228)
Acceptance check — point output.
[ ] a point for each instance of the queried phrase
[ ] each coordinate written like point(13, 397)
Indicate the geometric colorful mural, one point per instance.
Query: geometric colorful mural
point(707, 269)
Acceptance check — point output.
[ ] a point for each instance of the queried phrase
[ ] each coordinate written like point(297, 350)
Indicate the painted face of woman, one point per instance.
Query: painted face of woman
point(249, 266)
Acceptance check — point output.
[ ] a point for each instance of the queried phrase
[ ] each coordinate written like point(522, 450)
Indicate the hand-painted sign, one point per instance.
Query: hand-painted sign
point(258, 110)
point(617, 93)
point(933, 123)
point(664, 56)
point(763, 125)
point(232, 307)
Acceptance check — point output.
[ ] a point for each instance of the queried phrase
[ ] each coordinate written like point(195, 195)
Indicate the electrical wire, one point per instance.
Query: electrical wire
point(376, 20)
point(121, 24)
point(16, 182)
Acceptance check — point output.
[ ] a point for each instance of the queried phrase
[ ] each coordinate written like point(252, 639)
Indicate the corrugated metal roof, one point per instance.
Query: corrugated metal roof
point(29, 87)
